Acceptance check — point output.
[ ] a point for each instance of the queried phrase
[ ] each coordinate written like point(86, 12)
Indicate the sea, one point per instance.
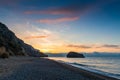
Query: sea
point(109, 66)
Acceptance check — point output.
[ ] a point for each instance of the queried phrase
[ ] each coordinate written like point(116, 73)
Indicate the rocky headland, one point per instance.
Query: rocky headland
point(11, 45)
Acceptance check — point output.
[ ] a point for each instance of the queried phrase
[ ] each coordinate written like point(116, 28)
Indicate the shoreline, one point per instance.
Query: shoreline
point(85, 72)
point(32, 68)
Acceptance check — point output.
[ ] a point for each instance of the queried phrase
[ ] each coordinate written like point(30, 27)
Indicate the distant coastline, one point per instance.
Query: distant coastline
point(92, 54)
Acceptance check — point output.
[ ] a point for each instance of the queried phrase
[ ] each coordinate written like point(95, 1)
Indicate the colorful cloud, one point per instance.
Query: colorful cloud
point(34, 37)
point(79, 46)
point(58, 20)
point(68, 10)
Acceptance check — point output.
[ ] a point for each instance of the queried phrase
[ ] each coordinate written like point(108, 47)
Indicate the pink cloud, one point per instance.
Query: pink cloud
point(52, 12)
point(33, 37)
point(58, 20)
point(64, 10)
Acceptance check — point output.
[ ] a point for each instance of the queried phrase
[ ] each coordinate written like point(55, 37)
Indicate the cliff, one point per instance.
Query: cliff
point(12, 45)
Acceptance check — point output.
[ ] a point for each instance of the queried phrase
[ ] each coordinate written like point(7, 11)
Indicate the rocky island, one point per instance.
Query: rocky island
point(75, 55)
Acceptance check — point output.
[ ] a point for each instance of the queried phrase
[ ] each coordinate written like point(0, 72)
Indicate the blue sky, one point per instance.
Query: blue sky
point(50, 24)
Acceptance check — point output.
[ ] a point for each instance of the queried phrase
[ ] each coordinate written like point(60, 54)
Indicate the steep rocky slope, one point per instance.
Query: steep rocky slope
point(11, 45)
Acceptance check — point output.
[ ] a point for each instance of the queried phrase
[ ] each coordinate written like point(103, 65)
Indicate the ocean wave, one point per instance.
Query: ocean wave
point(88, 68)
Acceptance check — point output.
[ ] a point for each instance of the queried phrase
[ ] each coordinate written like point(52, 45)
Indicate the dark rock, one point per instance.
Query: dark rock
point(3, 52)
point(15, 46)
point(75, 55)
point(5, 55)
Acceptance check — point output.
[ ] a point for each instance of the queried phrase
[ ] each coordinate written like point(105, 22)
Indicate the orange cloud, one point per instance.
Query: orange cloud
point(58, 20)
point(79, 46)
point(33, 37)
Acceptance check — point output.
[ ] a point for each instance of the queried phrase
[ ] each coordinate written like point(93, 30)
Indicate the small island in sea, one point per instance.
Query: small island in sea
point(75, 55)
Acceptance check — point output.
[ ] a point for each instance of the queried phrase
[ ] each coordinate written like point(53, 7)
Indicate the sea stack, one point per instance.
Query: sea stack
point(75, 55)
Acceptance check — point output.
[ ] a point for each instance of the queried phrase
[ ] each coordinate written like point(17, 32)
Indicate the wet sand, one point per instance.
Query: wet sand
point(31, 68)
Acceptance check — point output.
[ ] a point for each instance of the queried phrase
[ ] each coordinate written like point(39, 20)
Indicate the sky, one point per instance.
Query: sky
point(59, 26)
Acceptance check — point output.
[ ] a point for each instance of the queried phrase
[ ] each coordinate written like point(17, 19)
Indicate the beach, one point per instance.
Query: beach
point(32, 68)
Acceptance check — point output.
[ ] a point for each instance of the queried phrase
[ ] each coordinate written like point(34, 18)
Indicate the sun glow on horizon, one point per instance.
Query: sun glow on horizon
point(49, 41)
point(66, 49)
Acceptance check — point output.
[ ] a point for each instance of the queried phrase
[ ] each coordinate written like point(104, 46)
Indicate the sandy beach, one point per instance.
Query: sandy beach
point(31, 68)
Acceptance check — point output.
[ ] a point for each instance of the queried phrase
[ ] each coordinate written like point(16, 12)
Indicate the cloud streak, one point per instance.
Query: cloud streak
point(109, 46)
point(72, 8)
point(79, 46)
point(94, 46)
point(34, 37)
point(64, 10)
point(57, 20)
point(51, 12)
point(55, 12)
point(69, 10)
